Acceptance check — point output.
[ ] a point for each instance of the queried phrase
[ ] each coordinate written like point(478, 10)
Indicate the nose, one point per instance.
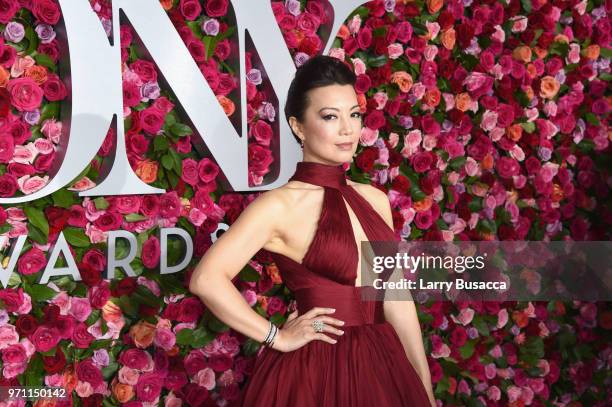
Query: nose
point(345, 126)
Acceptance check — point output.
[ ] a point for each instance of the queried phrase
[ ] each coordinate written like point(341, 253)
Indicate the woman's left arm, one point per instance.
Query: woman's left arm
point(402, 314)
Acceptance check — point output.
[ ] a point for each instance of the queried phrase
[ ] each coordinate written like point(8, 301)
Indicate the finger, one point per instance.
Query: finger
point(318, 311)
point(292, 316)
point(330, 320)
point(324, 338)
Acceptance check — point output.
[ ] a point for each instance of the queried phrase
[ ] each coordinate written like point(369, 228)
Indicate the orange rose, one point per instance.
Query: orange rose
point(522, 53)
point(363, 103)
point(147, 170)
point(447, 38)
point(433, 6)
point(37, 73)
point(532, 71)
point(166, 4)
point(143, 333)
point(274, 274)
point(111, 312)
point(432, 97)
point(422, 205)
point(45, 403)
point(122, 392)
point(227, 104)
point(592, 51)
point(557, 195)
point(520, 318)
point(343, 32)
point(514, 132)
point(549, 87)
point(403, 80)
point(70, 379)
point(487, 162)
point(173, 351)
point(463, 101)
point(540, 52)
point(529, 92)
point(561, 38)
point(4, 77)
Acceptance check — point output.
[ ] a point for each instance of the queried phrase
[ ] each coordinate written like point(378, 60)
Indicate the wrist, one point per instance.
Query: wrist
point(278, 341)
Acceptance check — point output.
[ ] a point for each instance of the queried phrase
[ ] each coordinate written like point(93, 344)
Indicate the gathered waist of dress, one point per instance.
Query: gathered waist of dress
point(347, 301)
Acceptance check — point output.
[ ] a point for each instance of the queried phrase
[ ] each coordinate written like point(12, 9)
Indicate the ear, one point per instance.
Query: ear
point(296, 126)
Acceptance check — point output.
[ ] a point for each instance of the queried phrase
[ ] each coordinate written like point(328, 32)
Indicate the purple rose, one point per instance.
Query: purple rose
point(211, 27)
point(14, 32)
point(45, 33)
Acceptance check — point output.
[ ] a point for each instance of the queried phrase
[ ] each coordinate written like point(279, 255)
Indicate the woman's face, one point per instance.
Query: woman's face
point(331, 126)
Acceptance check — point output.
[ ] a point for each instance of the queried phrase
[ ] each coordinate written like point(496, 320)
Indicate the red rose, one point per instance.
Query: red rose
point(56, 363)
point(189, 172)
point(149, 386)
point(458, 336)
point(8, 9)
point(8, 55)
point(50, 49)
point(54, 89)
point(375, 120)
point(150, 205)
point(363, 83)
point(196, 49)
point(401, 184)
point(207, 170)
point(99, 295)
point(95, 258)
point(232, 205)
point(45, 338)
point(109, 221)
point(169, 205)
point(87, 371)
point(131, 94)
point(7, 149)
point(190, 9)
point(193, 394)
point(26, 324)
point(422, 161)
point(216, 8)
point(125, 286)
point(286, 22)
point(77, 216)
point(134, 358)
point(31, 262)
point(5, 102)
point(95, 400)
point(26, 95)
point(89, 275)
point(308, 23)
point(262, 132)
point(191, 310)
point(260, 159)
point(223, 50)
point(465, 32)
point(8, 185)
point(138, 144)
point(44, 161)
point(151, 120)
point(507, 167)
point(364, 38)
point(20, 131)
point(80, 337)
point(365, 159)
point(57, 218)
point(310, 45)
point(46, 11)
point(176, 380)
point(11, 298)
point(150, 253)
point(145, 70)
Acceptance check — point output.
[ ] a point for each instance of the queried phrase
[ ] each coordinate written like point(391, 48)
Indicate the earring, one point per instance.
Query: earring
point(302, 143)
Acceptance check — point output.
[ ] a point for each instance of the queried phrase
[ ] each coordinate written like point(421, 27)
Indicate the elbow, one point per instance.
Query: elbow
point(197, 286)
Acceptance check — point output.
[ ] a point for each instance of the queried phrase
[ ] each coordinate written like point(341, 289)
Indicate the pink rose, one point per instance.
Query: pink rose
point(164, 338)
point(207, 170)
point(54, 89)
point(31, 262)
point(276, 305)
point(170, 205)
point(127, 204)
point(127, 375)
point(26, 95)
point(189, 174)
point(52, 129)
point(150, 253)
point(109, 221)
point(197, 217)
point(205, 378)
point(423, 220)
point(8, 336)
point(45, 338)
point(99, 294)
point(80, 308)
point(368, 136)
point(29, 185)
point(422, 161)
point(77, 216)
point(14, 354)
point(395, 50)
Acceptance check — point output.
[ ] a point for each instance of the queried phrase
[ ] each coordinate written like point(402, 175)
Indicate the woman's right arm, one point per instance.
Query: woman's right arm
point(212, 278)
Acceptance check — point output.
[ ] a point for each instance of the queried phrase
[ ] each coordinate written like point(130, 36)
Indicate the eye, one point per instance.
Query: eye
point(329, 116)
point(357, 115)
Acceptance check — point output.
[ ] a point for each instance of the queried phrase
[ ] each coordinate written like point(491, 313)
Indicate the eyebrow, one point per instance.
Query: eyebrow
point(333, 108)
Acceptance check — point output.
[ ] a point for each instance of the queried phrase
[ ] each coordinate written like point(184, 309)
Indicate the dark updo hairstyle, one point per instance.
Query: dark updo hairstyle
point(317, 72)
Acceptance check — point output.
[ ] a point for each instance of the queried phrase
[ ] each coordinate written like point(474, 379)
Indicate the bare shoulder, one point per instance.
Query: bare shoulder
point(377, 198)
point(282, 200)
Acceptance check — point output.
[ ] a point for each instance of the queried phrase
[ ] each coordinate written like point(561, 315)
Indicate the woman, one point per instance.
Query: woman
point(335, 349)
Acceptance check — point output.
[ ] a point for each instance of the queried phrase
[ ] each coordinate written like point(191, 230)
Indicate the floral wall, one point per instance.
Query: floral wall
point(484, 120)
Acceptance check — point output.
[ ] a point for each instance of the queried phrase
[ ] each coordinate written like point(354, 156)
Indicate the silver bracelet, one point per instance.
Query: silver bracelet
point(271, 335)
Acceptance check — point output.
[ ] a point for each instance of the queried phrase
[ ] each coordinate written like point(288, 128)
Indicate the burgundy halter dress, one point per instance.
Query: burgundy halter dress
point(368, 365)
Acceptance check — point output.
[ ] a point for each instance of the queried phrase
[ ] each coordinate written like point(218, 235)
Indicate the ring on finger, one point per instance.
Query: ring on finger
point(318, 325)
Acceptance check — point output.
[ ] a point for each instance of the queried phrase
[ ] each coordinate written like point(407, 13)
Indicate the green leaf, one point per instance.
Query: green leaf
point(457, 163)
point(63, 198)
point(45, 60)
point(605, 52)
point(529, 127)
point(526, 5)
point(101, 203)
point(37, 218)
point(109, 371)
point(49, 111)
point(184, 337)
point(39, 292)
point(216, 325)
point(37, 235)
point(591, 119)
point(160, 143)
point(134, 217)
point(467, 349)
point(250, 347)
point(249, 274)
point(34, 373)
point(76, 237)
point(167, 161)
point(180, 130)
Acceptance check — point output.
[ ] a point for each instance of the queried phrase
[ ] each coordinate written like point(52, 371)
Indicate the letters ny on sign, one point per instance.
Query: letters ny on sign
point(93, 66)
